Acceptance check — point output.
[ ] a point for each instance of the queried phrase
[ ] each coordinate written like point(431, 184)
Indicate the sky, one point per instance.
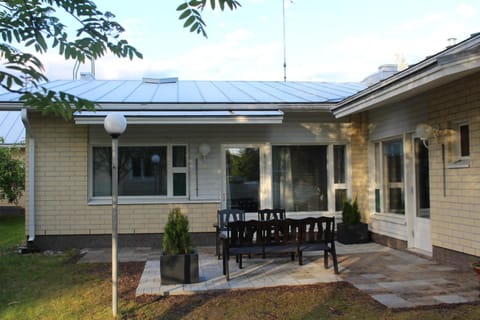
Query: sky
point(333, 41)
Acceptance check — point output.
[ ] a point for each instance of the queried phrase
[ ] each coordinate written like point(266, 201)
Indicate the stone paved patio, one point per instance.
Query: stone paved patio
point(397, 279)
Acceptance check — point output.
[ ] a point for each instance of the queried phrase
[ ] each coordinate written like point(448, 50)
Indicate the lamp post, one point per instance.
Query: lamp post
point(115, 125)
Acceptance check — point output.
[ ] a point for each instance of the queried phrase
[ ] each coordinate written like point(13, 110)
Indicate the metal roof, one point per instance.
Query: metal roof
point(11, 128)
point(155, 91)
point(443, 67)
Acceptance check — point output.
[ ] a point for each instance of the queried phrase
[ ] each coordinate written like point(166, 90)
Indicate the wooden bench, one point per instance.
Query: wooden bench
point(291, 236)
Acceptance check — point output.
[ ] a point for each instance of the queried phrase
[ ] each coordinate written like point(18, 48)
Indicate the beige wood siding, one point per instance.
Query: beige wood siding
point(62, 166)
point(455, 214)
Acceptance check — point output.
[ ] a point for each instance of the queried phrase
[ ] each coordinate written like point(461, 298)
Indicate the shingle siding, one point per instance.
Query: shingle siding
point(455, 216)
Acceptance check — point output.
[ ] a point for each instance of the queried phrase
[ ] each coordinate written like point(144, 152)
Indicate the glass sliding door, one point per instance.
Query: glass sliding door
point(299, 178)
point(242, 170)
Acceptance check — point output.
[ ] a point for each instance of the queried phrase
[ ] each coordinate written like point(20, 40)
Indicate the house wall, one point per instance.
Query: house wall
point(398, 120)
point(359, 151)
point(65, 210)
point(454, 201)
point(455, 214)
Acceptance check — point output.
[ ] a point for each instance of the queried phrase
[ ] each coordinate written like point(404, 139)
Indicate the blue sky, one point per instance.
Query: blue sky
point(341, 40)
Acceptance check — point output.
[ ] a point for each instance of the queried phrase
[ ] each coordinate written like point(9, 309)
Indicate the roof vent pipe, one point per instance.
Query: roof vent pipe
point(451, 42)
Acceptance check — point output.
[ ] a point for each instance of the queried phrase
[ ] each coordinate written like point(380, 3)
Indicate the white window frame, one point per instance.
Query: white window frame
point(457, 160)
point(345, 184)
point(377, 178)
point(137, 199)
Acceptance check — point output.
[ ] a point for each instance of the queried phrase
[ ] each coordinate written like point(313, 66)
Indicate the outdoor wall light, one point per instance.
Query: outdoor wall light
point(426, 132)
point(204, 150)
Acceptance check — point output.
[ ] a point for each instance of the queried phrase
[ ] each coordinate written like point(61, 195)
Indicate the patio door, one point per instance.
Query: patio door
point(241, 187)
point(422, 229)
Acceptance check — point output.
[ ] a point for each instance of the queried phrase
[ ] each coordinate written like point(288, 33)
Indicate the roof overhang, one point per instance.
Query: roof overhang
point(436, 72)
point(185, 117)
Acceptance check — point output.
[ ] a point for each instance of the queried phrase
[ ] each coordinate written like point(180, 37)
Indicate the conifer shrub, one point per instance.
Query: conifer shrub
point(350, 213)
point(176, 237)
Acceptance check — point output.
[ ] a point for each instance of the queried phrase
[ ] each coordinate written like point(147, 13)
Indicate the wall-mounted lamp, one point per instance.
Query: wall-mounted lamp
point(426, 132)
point(204, 150)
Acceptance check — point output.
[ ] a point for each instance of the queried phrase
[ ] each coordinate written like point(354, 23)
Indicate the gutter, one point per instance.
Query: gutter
point(31, 177)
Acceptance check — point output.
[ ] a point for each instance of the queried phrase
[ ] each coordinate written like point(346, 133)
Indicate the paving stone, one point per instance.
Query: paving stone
point(397, 285)
point(451, 298)
point(373, 275)
point(395, 278)
point(392, 301)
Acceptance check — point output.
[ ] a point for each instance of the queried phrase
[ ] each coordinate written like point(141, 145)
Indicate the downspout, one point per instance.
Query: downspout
point(31, 176)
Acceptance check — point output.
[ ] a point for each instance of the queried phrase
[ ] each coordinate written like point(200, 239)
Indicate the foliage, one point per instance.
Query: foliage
point(191, 12)
point(12, 174)
point(176, 237)
point(350, 212)
point(36, 25)
point(244, 164)
point(12, 231)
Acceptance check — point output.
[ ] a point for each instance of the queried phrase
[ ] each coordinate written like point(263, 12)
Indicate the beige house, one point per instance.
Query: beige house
point(405, 147)
point(423, 128)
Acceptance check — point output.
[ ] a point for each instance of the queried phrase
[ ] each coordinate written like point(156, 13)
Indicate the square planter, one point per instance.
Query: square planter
point(352, 233)
point(181, 268)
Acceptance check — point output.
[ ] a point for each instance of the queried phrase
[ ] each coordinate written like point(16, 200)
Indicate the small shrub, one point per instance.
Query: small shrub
point(176, 237)
point(350, 213)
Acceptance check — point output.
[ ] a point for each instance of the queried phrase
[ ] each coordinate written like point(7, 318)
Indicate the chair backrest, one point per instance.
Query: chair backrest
point(271, 214)
point(316, 230)
point(279, 231)
point(225, 216)
point(243, 233)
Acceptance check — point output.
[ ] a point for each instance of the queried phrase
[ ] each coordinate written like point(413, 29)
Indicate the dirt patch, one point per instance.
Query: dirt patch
point(129, 274)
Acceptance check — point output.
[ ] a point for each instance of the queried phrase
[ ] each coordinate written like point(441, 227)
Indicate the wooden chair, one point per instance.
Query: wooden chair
point(280, 236)
point(271, 214)
point(225, 216)
point(241, 238)
point(317, 234)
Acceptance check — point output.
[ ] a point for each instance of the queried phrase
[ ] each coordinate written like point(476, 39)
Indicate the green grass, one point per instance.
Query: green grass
point(11, 231)
point(37, 286)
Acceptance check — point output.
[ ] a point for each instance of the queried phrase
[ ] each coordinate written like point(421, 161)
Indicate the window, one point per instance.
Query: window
point(142, 171)
point(378, 182)
point(389, 183)
point(464, 140)
point(300, 178)
point(339, 172)
point(460, 148)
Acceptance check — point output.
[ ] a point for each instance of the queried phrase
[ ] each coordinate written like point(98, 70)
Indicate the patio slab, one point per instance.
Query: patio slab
point(397, 279)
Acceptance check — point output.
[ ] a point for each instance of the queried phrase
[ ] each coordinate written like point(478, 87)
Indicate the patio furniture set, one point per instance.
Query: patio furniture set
point(273, 234)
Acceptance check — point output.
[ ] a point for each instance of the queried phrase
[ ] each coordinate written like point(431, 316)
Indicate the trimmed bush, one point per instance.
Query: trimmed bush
point(350, 213)
point(176, 237)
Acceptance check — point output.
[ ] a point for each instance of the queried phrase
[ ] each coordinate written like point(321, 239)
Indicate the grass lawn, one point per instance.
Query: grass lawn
point(40, 286)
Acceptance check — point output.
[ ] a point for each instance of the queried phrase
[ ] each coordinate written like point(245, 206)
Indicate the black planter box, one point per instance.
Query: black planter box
point(176, 269)
point(352, 233)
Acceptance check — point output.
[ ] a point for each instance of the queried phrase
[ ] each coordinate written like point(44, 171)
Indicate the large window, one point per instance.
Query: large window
point(300, 178)
point(389, 177)
point(142, 171)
